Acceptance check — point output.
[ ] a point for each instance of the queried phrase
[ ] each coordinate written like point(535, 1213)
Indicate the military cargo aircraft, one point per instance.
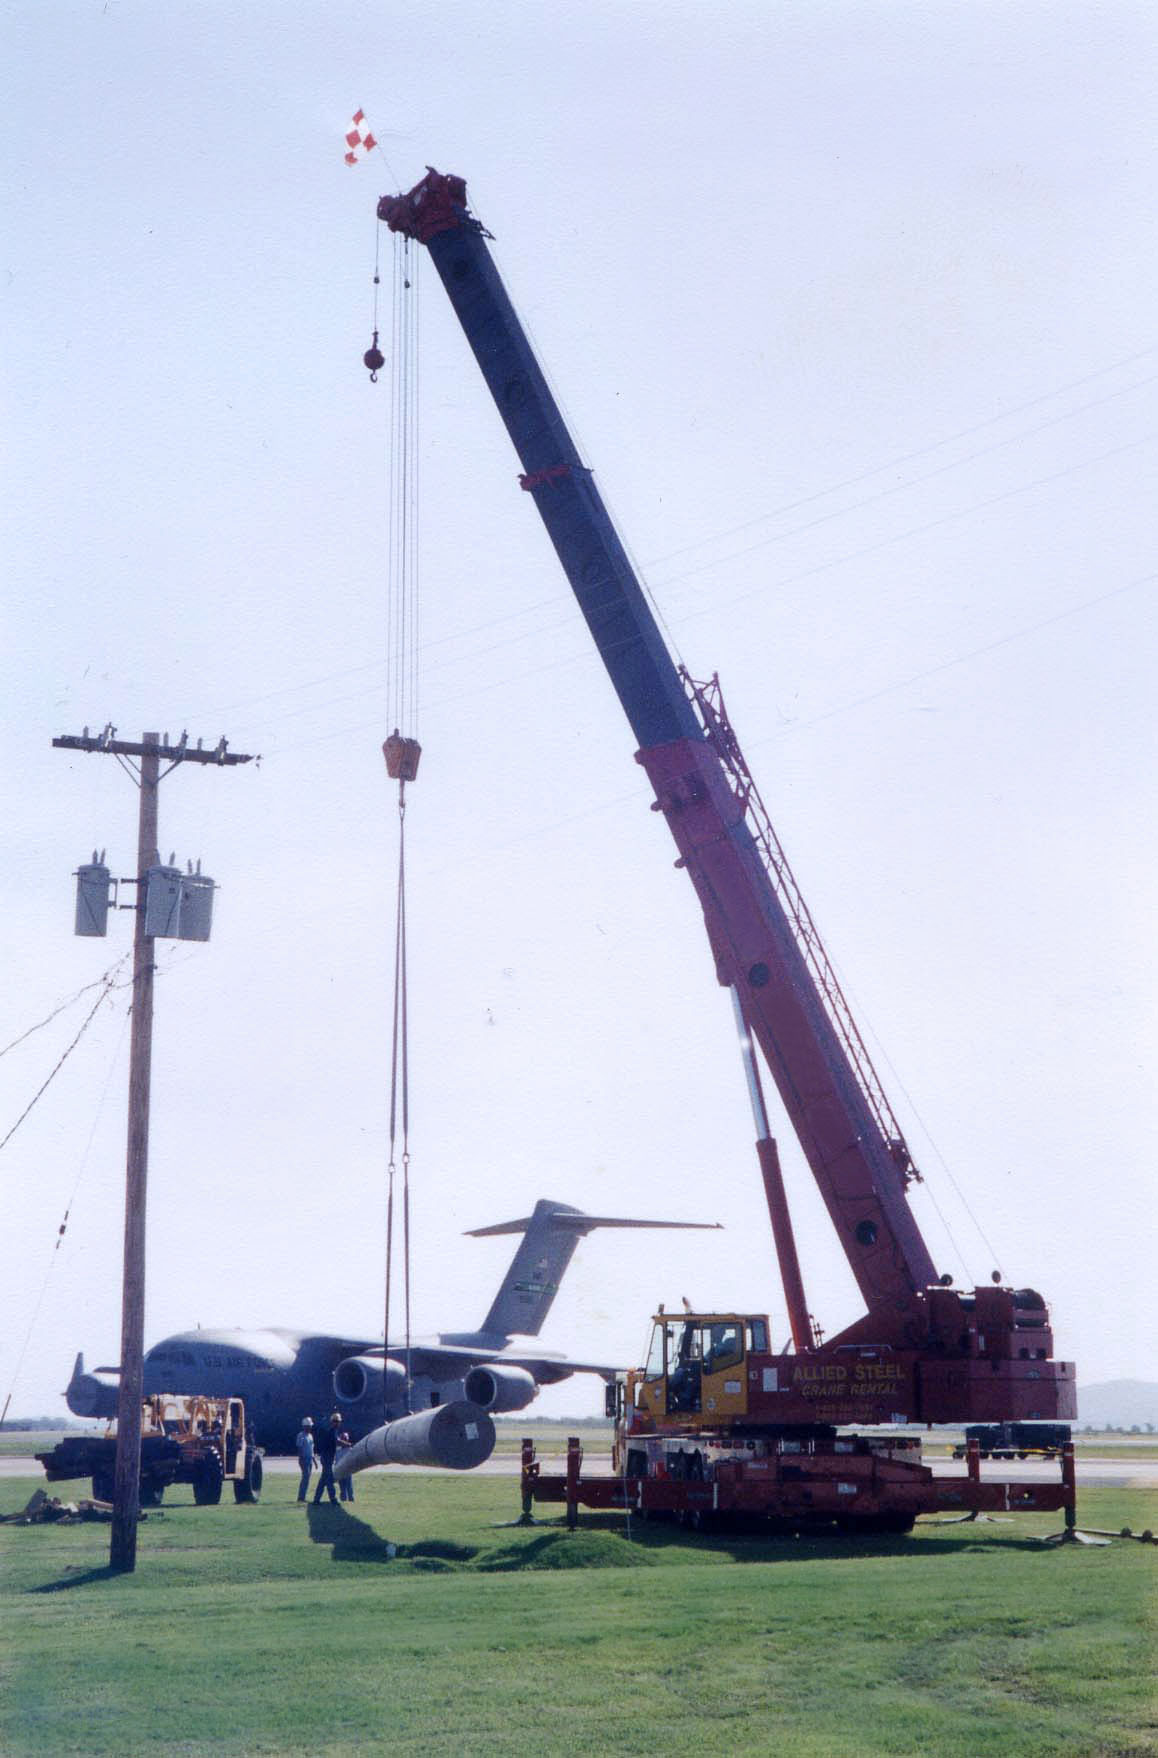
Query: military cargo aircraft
point(284, 1375)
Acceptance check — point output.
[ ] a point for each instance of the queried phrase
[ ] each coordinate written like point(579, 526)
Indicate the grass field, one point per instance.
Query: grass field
point(278, 1629)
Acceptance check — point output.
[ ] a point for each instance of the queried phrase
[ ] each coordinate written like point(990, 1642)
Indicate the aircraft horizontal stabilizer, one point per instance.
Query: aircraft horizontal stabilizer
point(577, 1223)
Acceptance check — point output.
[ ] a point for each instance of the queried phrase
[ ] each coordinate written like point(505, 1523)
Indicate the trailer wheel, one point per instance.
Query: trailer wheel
point(248, 1488)
point(209, 1479)
point(103, 1486)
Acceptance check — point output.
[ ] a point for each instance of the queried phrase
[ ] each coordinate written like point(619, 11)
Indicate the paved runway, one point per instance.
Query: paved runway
point(1118, 1473)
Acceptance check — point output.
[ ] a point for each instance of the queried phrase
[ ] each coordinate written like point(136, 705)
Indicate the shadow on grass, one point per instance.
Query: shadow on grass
point(353, 1541)
point(743, 1544)
point(84, 1579)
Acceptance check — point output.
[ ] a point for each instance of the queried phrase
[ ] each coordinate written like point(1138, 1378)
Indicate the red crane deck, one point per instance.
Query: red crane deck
point(851, 1485)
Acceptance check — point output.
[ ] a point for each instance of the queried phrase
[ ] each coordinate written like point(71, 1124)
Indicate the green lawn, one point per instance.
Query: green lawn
point(281, 1630)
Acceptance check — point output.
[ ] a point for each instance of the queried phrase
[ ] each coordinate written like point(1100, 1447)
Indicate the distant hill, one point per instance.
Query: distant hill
point(1118, 1404)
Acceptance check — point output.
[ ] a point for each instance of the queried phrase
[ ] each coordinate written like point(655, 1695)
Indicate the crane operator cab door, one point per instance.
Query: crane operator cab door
point(695, 1369)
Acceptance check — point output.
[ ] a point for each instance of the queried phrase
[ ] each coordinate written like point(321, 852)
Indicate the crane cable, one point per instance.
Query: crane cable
point(399, 1097)
point(401, 752)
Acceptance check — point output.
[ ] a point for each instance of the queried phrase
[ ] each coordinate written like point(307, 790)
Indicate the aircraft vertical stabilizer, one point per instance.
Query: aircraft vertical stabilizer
point(550, 1236)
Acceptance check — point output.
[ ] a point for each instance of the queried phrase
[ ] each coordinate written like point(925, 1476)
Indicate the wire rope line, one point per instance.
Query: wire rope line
point(401, 749)
point(108, 985)
point(399, 1099)
point(718, 537)
point(926, 451)
point(766, 588)
point(61, 1007)
point(63, 1227)
point(402, 540)
point(888, 493)
point(994, 500)
point(865, 1024)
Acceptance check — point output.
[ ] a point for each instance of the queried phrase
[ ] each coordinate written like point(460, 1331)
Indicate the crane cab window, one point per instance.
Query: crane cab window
point(757, 1334)
point(723, 1346)
point(655, 1355)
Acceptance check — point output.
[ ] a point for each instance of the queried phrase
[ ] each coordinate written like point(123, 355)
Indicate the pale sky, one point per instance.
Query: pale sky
point(851, 306)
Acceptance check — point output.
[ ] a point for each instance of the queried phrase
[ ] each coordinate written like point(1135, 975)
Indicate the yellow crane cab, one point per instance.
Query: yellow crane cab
point(696, 1373)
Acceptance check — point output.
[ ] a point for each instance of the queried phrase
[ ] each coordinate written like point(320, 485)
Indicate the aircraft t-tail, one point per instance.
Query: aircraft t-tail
point(284, 1374)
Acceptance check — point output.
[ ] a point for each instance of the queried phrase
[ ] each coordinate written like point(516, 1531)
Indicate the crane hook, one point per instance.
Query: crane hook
point(374, 360)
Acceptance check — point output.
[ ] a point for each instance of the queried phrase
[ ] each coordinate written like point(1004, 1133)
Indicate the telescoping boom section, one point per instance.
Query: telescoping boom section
point(923, 1351)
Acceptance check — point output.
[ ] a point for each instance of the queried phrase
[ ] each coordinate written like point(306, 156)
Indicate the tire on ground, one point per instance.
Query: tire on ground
point(210, 1477)
point(248, 1488)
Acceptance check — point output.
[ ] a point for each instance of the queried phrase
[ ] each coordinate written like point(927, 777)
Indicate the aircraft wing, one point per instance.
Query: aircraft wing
point(448, 1360)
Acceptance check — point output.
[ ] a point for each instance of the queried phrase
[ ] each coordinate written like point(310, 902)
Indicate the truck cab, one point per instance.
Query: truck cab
point(696, 1373)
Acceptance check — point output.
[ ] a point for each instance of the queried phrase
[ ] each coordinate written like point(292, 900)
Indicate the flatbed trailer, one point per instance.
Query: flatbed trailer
point(852, 1485)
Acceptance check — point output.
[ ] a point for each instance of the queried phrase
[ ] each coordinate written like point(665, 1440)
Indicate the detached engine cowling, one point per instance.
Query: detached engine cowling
point(495, 1386)
point(368, 1382)
point(459, 1436)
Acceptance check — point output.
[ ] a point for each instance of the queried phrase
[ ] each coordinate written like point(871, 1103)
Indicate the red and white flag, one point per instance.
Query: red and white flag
point(359, 140)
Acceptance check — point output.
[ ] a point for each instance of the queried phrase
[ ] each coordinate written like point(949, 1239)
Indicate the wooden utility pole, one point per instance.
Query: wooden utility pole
point(126, 1495)
point(150, 751)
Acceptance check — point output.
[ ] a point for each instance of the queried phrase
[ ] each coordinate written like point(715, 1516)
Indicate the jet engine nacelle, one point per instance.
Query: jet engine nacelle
point(368, 1382)
point(495, 1386)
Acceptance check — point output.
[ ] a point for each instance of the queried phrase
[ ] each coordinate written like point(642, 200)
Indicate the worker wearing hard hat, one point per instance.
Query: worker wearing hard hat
point(326, 1447)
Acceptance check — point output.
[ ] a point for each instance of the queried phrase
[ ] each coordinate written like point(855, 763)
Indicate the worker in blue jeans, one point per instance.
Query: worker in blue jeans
point(326, 1446)
point(305, 1447)
point(346, 1485)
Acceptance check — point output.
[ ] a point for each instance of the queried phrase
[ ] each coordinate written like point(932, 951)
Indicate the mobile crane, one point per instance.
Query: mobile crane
point(716, 1408)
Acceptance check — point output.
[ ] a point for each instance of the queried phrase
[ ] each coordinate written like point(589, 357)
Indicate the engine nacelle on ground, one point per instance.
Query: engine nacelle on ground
point(495, 1386)
point(368, 1382)
point(458, 1436)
